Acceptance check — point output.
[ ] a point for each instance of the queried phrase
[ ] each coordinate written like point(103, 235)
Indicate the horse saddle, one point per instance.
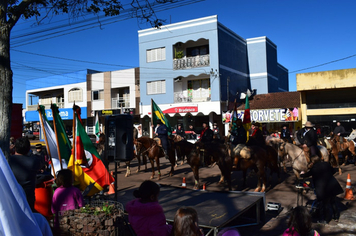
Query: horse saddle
point(158, 140)
point(243, 151)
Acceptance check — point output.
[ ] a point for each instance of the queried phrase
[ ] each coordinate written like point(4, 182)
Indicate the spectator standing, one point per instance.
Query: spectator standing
point(66, 196)
point(145, 213)
point(25, 168)
point(285, 134)
point(326, 187)
point(40, 153)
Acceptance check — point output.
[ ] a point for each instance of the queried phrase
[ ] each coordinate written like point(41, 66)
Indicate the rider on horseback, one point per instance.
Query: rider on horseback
point(340, 132)
point(309, 139)
point(256, 136)
point(162, 133)
point(238, 133)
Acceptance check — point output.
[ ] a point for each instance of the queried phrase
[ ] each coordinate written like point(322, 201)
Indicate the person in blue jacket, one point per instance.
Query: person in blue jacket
point(162, 134)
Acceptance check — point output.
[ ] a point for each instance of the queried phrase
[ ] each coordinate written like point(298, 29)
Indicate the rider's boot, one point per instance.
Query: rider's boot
point(236, 160)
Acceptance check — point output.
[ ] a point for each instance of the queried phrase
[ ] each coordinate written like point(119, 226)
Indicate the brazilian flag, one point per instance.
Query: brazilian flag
point(157, 114)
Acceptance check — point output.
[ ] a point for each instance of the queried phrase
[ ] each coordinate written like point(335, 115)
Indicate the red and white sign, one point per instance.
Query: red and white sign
point(184, 109)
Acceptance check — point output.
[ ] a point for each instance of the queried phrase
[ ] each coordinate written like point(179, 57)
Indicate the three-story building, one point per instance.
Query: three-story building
point(193, 69)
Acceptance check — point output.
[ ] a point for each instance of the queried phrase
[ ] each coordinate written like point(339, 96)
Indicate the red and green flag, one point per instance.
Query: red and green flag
point(157, 114)
point(85, 162)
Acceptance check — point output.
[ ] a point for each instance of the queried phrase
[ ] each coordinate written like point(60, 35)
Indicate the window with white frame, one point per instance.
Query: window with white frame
point(156, 54)
point(75, 95)
point(97, 95)
point(156, 87)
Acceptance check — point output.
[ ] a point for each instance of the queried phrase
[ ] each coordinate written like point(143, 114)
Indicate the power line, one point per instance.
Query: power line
point(323, 64)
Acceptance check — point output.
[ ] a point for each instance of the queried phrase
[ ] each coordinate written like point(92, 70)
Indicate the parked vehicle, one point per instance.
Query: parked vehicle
point(30, 135)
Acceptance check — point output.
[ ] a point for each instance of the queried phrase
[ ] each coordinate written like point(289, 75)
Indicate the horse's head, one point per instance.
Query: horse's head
point(282, 149)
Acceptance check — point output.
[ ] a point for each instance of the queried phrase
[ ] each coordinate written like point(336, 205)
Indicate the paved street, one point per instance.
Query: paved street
point(283, 192)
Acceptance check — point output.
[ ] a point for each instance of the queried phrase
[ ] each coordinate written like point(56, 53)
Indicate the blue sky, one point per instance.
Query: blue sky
point(307, 34)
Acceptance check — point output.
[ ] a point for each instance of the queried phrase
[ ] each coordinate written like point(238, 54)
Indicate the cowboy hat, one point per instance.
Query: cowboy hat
point(308, 124)
point(255, 124)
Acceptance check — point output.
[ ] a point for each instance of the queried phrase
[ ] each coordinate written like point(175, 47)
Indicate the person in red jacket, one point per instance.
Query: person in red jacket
point(145, 213)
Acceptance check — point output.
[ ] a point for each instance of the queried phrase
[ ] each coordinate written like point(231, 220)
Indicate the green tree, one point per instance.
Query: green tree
point(12, 10)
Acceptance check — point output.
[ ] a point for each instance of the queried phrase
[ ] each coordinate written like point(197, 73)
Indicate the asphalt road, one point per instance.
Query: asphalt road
point(281, 191)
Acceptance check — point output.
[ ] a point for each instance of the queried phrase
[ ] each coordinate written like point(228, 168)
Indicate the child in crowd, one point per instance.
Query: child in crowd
point(145, 213)
point(186, 223)
point(299, 223)
point(66, 196)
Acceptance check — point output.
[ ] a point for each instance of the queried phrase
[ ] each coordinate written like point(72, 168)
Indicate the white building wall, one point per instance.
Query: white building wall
point(125, 78)
point(97, 83)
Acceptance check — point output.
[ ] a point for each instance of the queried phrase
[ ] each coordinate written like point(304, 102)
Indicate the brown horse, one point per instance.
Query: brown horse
point(254, 157)
point(199, 155)
point(347, 148)
point(149, 148)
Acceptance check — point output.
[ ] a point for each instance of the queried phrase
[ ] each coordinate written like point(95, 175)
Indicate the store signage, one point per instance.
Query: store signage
point(184, 109)
point(265, 115)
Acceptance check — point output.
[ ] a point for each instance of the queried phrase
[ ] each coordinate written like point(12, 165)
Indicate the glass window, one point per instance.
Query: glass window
point(98, 95)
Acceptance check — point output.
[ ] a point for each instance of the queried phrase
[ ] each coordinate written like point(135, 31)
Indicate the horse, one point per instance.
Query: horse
point(352, 135)
point(256, 159)
point(275, 142)
point(299, 160)
point(200, 154)
point(347, 148)
point(149, 147)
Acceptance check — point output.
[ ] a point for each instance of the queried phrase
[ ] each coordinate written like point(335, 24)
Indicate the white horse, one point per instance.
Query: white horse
point(299, 161)
point(352, 136)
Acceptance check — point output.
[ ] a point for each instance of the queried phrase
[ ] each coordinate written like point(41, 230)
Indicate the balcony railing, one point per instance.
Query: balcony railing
point(191, 62)
point(179, 97)
point(119, 103)
point(47, 106)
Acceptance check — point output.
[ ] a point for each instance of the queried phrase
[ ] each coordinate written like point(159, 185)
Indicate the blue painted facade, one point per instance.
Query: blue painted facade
point(236, 64)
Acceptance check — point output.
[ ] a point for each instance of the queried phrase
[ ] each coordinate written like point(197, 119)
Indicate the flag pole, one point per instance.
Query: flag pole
point(55, 130)
point(74, 138)
point(152, 125)
point(45, 136)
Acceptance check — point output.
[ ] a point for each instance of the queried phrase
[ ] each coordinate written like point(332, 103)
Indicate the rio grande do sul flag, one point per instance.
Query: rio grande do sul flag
point(88, 167)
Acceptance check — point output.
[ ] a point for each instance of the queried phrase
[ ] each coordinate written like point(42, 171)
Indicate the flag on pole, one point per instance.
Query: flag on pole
point(64, 145)
point(88, 167)
point(16, 217)
point(247, 119)
point(97, 127)
point(50, 138)
point(157, 114)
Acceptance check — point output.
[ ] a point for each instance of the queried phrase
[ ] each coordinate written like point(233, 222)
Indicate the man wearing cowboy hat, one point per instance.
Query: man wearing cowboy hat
point(308, 137)
point(256, 136)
